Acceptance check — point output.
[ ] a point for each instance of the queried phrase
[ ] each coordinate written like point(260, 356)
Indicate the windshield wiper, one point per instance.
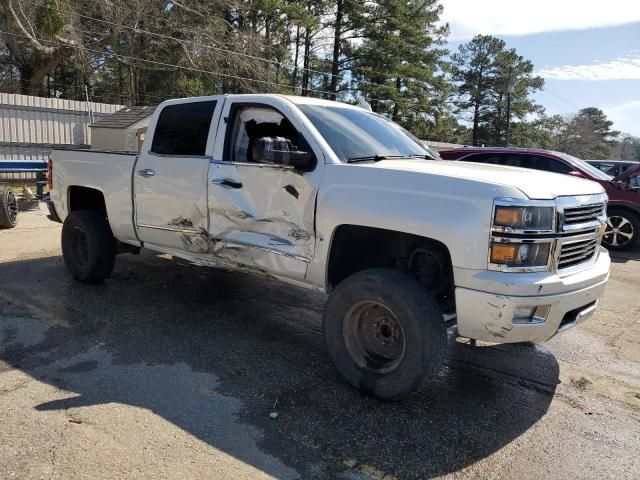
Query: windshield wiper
point(377, 158)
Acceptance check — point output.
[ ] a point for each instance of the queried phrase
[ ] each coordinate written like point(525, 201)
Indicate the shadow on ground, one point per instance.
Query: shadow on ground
point(210, 351)
point(625, 255)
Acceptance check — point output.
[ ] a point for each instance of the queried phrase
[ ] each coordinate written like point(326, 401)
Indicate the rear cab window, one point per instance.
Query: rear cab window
point(183, 129)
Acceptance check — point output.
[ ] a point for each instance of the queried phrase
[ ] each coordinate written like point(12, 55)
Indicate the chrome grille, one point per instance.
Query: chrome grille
point(575, 253)
point(583, 214)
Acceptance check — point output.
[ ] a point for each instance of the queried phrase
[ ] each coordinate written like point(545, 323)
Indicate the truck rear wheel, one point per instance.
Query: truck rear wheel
point(8, 208)
point(88, 246)
point(384, 332)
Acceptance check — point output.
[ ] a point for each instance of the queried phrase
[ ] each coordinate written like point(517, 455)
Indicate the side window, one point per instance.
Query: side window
point(262, 135)
point(547, 164)
point(608, 168)
point(491, 158)
point(513, 160)
point(537, 162)
point(183, 129)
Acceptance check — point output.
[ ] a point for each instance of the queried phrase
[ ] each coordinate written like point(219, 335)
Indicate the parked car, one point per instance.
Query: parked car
point(623, 224)
point(613, 167)
point(336, 198)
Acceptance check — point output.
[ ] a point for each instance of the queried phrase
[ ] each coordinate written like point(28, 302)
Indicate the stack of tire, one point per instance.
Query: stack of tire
point(8, 208)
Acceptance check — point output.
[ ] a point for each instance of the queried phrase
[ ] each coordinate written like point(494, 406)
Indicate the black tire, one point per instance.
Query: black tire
point(414, 314)
point(8, 208)
point(88, 246)
point(622, 231)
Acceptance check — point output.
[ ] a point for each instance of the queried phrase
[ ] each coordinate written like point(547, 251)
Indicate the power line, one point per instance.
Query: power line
point(558, 97)
point(194, 69)
point(163, 64)
point(220, 49)
point(193, 43)
point(76, 92)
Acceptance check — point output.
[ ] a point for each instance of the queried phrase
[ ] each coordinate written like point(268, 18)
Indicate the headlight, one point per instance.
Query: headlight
point(522, 235)
point(523, 255)
point(507, 218)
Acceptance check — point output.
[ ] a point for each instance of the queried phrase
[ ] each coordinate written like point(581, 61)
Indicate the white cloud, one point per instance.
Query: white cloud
point(625, 117)
point(517, 17)
point(621, 68)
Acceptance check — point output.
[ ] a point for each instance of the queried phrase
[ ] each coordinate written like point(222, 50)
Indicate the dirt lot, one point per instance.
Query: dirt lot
point(170, 371)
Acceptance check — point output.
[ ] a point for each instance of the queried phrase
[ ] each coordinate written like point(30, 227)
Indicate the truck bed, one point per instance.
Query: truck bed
point(91, 150)
point(106, 171)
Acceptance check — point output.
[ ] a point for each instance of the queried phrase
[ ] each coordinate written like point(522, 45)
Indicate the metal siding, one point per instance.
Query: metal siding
point(30, 127)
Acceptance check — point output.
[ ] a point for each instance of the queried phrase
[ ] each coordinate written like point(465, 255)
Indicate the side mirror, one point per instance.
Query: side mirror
point(279, 151)
point(575, 173)
point(303, 161)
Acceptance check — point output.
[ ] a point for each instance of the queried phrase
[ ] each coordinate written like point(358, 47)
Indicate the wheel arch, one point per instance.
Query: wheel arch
point(85, 198)
point(354, 248)
point(625, 206)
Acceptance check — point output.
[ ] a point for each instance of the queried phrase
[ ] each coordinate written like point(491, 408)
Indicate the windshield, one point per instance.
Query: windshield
point(590, 169)
point(355, 133)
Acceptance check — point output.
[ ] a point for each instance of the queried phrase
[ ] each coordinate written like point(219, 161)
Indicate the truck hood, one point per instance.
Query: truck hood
point(535, 184)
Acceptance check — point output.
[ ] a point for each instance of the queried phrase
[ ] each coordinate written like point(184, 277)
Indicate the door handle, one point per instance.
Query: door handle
point(146, 172)
point(227, 182)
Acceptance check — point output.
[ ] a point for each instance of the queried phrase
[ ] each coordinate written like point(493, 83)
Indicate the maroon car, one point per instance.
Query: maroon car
point(624, 193)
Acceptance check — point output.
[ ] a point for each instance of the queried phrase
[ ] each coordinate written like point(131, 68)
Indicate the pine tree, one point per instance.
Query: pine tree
point(397, 66)
point(588, 135)
point(494, 87)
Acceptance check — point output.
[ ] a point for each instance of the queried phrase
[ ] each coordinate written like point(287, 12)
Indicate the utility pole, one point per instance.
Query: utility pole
point(509, 92)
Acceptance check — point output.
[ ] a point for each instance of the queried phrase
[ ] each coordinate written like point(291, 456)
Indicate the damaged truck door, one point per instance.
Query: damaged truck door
point(262, 190)
point(170, 176)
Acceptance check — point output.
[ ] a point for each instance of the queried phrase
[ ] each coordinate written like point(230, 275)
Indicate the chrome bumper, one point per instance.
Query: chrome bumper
point(489, 316)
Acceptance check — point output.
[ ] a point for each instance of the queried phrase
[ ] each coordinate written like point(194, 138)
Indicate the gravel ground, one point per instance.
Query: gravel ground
point(168, 370)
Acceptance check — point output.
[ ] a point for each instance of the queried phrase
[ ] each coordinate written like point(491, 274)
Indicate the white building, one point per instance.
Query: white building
point(123, 131)
point(30, 127)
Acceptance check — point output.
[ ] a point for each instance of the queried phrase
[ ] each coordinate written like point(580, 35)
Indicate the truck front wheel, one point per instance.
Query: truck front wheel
point(384, 332)
point(88, 246)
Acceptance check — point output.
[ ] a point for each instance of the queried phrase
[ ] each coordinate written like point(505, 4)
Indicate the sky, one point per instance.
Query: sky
point(588, 51)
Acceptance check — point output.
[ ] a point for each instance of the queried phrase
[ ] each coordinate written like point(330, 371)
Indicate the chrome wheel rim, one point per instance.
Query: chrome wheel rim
point(12, 204)
point(619, 231)
point(374, 337)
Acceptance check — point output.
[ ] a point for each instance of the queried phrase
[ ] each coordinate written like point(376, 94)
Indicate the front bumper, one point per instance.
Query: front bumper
point(488, 314)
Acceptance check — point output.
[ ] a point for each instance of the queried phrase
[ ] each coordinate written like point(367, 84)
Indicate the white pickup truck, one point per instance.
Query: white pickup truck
point(339, 199)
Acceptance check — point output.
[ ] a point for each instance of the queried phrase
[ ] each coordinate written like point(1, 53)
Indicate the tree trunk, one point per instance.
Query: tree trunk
point(395, 116)
point(335, 59)
point(132, 86)
point(305, 63)
point(295, 61)
point(25, 84)
point(120, 84)
point(35, 60)
point(476, 109)
point(33, 74)
point(476, 114)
